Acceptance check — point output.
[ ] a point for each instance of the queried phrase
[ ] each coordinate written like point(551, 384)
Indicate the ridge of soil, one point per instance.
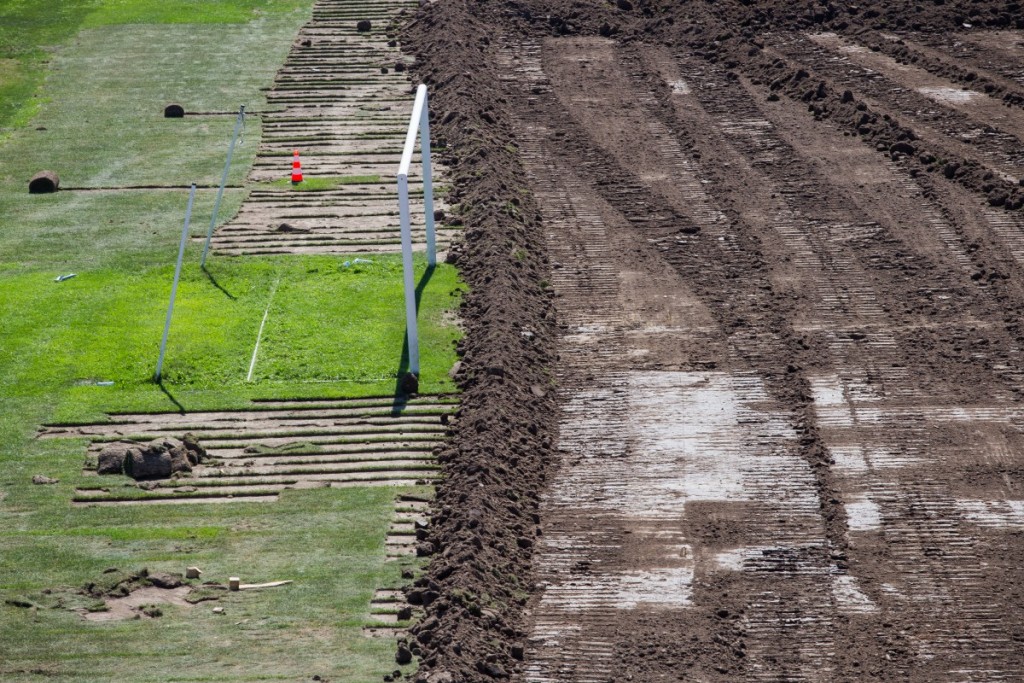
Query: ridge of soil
point(499, 453)
point(499, 456)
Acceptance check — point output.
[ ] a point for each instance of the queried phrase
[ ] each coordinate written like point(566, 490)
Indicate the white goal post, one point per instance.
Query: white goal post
point(418, 123)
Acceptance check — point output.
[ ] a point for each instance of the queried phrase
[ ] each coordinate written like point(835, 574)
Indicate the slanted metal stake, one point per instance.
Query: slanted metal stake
point(239, 122)
point(174, 287)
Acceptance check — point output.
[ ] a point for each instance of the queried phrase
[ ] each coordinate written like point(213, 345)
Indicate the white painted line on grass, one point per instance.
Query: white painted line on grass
point(259, 335)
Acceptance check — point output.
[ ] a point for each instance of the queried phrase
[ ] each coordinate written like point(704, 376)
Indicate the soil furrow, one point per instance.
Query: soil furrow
point(933, 114)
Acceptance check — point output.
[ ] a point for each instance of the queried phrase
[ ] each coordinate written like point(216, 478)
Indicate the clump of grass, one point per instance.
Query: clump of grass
point(319, 184)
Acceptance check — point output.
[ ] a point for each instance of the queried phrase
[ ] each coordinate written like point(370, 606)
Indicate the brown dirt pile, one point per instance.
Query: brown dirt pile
point(497, 458)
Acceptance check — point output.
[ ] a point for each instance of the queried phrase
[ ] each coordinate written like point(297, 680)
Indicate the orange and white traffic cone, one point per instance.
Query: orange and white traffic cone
point(296, 169)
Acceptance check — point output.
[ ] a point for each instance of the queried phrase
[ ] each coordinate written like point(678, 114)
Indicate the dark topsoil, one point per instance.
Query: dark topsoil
point(500, 453)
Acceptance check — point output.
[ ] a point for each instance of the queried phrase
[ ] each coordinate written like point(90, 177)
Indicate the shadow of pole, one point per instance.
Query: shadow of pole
point(167, 392)
point(401, 398)
point(216, 284)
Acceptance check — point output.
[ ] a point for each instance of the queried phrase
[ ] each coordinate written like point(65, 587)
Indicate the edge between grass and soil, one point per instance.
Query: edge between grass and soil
point(486, 512)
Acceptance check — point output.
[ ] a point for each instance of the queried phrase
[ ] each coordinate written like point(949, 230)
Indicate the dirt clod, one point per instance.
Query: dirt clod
point(111, 457)
point(158, 459)
point(165, 580)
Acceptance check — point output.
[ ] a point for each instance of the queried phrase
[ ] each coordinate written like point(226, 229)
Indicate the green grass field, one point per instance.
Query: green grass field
point(82, 90)
point(30, 32)
point(329, 542)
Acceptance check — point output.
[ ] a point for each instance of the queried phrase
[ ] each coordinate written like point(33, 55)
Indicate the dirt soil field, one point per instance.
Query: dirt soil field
point(742, 372)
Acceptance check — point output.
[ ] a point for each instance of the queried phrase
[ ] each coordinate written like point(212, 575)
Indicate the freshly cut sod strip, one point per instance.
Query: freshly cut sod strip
point(85, 347)
point(271, 448)
point(101, 125)
point(73, 231)
point(320, 184)
point(332, 323)
point(344, 118)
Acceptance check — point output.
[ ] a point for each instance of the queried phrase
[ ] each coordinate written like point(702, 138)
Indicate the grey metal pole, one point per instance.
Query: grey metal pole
point(223, 182)
point(174, 287)
point(411, 332)
point(428, 184)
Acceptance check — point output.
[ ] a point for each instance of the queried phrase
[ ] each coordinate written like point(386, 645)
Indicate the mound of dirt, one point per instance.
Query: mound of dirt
point(116, 583)
point(500, 450)
point(646, 16)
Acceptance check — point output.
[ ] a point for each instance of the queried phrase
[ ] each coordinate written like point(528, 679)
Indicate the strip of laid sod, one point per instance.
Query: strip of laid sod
point(101, 125)
point(70, 232)
point(331, 329)
point(101, 326)
point(333, 322)
point(321, 184)
point(327, 321)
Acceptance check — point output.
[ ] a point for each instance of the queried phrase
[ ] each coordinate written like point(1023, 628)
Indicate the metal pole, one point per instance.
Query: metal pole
point(174, 287)
point(411, 332)
point(223, 182)
point(428, 185)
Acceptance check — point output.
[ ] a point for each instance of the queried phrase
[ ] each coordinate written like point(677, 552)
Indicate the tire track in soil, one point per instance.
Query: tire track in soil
point(912, 49)
point(908, 534)
point(739, 281)
point(1003, 123)
point(627, 482)
point(999, 150)
point(999, 52)
point(976, 610)
point(840, 252)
